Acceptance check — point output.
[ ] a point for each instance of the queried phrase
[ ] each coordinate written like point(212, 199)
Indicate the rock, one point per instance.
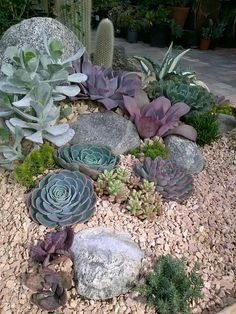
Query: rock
point(185, 153)
point(226, 123)
point(106, 128)
point(30, 33)
point(106, 263)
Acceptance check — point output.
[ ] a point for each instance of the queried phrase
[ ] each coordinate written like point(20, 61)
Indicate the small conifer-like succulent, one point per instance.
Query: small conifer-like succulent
point(171, 181)
point(88, 158)
point(144, 203)
point(62, 199)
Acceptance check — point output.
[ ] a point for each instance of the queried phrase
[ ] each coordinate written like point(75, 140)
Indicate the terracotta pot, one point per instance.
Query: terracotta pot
point(205, 43)
point(179, 14)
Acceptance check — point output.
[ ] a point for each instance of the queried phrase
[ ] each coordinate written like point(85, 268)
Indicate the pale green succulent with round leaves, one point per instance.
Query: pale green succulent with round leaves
point(62, 199)
point(90, 159)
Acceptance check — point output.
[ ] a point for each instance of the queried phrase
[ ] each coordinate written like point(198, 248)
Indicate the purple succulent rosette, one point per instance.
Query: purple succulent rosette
point(62, 199)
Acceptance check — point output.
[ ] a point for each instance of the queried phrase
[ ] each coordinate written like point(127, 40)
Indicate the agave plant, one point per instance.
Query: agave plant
point(11, 153)
point(171, 181)
point(105, 85)
point(62, 199)
point(55, 247)
point(158, 118)
point(50, 288)
point(88, 158)
point(29, 68)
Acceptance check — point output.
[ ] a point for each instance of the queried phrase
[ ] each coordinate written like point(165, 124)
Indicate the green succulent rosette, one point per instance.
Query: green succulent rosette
point(62, 199)
point(88, 158)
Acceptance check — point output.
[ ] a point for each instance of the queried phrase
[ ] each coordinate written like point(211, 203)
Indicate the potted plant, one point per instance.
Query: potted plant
point(206, 36)
point(161, 34)
point(132, 20)
point(217, 32)
point(179, 10)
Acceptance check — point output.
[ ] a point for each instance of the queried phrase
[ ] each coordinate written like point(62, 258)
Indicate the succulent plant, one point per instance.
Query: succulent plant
point(171, 181)
point(196, 97)
point(62, 199)
point(153, 149)
point(50, 288)
point(105, 85)
point(144, 203)
point(55, 246)
point(158, 118)
point(11, 153)
point(88, 158)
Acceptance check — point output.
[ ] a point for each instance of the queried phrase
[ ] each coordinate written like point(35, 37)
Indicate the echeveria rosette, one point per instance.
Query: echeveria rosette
point(105, 85)
point(172, 181)
point(62, 199)
point(159, 117)
point(90, 159)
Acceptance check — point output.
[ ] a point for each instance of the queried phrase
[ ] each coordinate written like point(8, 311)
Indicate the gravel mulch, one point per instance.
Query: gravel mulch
point(201, 230)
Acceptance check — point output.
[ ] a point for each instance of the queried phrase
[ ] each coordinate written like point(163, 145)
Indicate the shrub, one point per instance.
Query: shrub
point(35, 164)
point(151, 150)
point(206, 125)
point(170, 289)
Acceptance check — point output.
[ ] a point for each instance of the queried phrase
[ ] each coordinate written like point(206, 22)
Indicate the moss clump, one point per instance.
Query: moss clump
point(151, 150)
point(35, 164)
point(170, 289)
point(206, 125)
point(227, 109)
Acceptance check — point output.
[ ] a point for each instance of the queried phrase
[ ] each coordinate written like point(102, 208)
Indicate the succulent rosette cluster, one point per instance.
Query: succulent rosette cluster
point(62, 199)
point(171, 181)
point(90, 159)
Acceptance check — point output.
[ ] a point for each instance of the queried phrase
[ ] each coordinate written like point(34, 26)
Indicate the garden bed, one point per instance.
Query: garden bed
point(202, 230)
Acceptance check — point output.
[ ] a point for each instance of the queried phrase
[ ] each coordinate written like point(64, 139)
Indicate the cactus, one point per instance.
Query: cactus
point(104, 49)
point(85, 23)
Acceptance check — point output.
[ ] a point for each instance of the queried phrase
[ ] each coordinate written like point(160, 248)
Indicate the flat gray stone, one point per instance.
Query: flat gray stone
point(106, 128)
point(30, 33)
point(185, 153)
point(106, 263)
point(226, 123)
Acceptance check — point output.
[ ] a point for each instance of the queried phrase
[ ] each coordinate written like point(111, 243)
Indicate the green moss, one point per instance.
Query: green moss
point(227, 109)
point(170, 289)
point(35, 164)
point(206, 125)
point(152, 150)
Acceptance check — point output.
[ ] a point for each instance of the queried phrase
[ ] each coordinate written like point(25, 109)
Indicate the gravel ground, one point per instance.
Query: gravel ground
point(203, 230)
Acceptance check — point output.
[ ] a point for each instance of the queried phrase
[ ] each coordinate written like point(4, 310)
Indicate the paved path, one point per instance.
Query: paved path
point(217, 68)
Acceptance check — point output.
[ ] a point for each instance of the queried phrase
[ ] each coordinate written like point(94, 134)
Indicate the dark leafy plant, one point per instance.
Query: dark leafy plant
point(157, 118)
point(206, 125)
point(105, 85)
point(50, 288)
point(170, 289)
point(171, 181)
point(196, 97)
point(151, 150)
point(62, 199)
point(55, 247)
point(88, 158)
point(35, 164)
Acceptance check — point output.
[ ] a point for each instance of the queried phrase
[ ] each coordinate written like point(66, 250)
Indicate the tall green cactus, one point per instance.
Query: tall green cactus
point(104, 48)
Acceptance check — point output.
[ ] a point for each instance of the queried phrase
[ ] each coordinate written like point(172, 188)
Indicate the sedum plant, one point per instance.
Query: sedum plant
point(90, 159)
point(55, 246)
point(34, 164)
point(171, 181)
point(170, 288)
point(105, 85)
point(62, 199)
point(158, 118)
point(207, 127)
point(152, 150)
point(144, 203)
point(49, 289)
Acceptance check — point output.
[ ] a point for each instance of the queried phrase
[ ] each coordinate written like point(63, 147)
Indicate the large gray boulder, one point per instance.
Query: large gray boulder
point(30, 33)
point(106, 128)
point(106, 263)
point(185, 153)
point(226, 123)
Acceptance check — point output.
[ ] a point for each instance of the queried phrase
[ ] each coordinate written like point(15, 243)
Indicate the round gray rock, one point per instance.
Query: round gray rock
point(185, 153)
point(226, 123)
point(30, 33)
point(106, 128)
point(106, 263)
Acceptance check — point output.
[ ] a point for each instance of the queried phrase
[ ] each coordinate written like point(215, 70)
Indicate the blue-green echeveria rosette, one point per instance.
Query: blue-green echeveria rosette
point(90, 159)
point(62, 199)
